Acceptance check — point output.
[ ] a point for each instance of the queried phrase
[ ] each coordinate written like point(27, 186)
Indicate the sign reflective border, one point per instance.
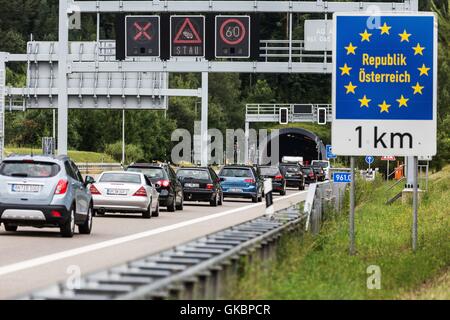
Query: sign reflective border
point(384, 84)
point(187, 35)
point(232, 37)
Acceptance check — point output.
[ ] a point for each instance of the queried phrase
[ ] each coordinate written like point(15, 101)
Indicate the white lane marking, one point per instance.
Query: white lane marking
point(109, 243)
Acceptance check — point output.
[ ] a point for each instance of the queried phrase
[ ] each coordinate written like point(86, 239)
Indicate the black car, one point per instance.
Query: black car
point(201, 184)
point(293, 175)
point(309, 174)
point(165, 180)
point(278, 179)
point(320, 173)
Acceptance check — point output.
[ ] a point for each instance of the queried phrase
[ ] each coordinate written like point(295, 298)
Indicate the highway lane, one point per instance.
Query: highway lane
point(34, 258)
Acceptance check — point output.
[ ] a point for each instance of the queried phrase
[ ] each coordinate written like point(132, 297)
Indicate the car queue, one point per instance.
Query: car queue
point(48, 191)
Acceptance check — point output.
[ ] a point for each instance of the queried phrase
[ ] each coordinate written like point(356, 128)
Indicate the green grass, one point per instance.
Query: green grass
point(77, 156)
point(319, 267)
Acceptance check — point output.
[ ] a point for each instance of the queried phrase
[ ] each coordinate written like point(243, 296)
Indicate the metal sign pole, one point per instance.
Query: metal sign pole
point(63, 100)
point(415, 205)
point(204, 121)
point(387, 171)
point(352, 207)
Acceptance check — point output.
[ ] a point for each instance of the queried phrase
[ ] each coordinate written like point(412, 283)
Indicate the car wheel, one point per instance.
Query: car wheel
point(221, 199)
point(156, 212)
point(260, 198)
point(171, 207)
point(67, 230)
point(10, 228)
point(98, 213)
point(148, 213)
point(255, 199)
point(181, 205)
point(86, 227)
point(283, 192)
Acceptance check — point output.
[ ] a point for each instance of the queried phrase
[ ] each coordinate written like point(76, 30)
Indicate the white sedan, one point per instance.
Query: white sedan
point(125, 192)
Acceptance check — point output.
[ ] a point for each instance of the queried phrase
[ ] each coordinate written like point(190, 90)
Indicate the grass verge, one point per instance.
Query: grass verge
point(76, 156)
point(319, 267)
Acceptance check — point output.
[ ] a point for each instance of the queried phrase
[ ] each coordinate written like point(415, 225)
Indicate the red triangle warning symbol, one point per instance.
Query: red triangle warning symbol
point(187, 34)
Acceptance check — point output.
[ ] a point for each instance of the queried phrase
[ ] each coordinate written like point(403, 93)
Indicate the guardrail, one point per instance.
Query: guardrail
point(204, 268)
point(95, 168)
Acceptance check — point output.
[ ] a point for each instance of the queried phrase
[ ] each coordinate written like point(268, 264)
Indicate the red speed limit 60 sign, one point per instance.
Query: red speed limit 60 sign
point(232, 36)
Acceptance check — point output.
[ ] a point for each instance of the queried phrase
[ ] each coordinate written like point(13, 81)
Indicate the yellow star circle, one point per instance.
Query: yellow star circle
point(424, 70)
point(365, 36)
point(404, 36)
point(403, 102)
point(364, 101)
point(418, 50)
point(384, 107)
point(345, 70)
point(351, 49)
point(350, 88)
point(418, 89)
point(385, 29)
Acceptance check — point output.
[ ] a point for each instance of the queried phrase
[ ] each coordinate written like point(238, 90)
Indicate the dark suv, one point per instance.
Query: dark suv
point(165, 180)
point(201, 184)
point(293, 175)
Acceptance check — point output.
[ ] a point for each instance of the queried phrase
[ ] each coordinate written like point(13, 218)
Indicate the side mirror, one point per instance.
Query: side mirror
point(89, 180)
point(221, 179)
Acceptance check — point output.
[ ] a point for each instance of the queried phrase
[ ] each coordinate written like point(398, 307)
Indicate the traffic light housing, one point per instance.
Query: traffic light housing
point(284, 115)
point(322, 116)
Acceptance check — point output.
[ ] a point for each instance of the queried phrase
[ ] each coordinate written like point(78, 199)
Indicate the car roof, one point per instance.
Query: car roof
point(148, 165)
point(41, 157)
point(193, 168)
point(123, 172)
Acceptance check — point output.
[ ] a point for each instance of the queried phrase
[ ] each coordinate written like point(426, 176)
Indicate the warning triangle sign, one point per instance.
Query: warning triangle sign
point(187, 34)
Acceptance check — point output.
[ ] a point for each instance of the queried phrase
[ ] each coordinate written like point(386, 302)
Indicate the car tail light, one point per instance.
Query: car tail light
point(279, 177)
point(209, 186)
point(93, 190)
point(164, 183)
point(61, 187)
point(140, 193)
point(56, 214)
point(249, 181)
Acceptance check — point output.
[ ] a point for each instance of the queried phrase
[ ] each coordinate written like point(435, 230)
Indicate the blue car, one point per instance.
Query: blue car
point(242, 182)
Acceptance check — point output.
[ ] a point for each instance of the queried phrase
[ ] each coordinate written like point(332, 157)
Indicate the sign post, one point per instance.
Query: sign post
point(385, 89)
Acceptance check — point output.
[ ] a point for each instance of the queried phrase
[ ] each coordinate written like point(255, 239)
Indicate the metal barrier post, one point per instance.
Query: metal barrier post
point(352, 207)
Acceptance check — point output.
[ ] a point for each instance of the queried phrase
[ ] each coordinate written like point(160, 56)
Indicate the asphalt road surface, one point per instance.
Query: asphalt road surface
point(35, 258)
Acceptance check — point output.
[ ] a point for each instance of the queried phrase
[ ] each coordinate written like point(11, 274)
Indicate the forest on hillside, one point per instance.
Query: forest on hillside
point(148, 132)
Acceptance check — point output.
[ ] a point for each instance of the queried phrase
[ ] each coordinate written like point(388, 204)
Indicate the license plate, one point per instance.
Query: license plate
point(192, 185)
point(25, 188)
point(235, 190)
point(117, 192)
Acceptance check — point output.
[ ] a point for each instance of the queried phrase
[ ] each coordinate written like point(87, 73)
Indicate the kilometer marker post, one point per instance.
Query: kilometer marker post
point(269, 197)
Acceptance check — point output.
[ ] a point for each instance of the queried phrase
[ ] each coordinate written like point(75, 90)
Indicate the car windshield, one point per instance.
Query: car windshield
point(193, 174)
point(152, 173)
point(321, 164)
point(236, 172)
point(29, 169)
point(291, 168)
point(269, 171)
point(121, 178)
point(317, 169)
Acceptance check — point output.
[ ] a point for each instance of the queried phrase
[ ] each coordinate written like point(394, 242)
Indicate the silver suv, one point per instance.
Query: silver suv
point(44, 191)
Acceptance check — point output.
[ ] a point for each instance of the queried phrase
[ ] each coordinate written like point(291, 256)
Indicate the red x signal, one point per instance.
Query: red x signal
point(142, 31)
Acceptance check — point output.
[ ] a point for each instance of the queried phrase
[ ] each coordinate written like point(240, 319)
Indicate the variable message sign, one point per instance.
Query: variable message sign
point(232, 37)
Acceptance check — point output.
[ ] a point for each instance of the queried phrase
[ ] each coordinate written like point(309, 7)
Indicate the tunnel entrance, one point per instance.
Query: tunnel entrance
point(299, 142)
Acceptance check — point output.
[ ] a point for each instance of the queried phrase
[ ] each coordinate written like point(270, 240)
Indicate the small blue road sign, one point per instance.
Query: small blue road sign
point(370, 160)
point(342, 177)
point(330, 154)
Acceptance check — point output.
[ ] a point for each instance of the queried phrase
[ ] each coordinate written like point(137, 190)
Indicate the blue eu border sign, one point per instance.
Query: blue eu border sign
point(384, 84)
